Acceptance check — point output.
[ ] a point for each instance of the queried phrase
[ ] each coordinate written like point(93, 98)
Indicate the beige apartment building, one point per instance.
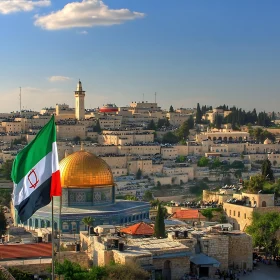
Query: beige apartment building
point(63, 112)
point(223, 135)
point(69, 131)
point(12, 126)
point(139, 150)
point(177, 119)
point(109, 123)
point(240, 215)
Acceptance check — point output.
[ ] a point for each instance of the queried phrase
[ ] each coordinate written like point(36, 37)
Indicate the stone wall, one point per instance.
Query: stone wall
point(240, 251)
point(77, 257)
point(179, 266)
point(216, 246)
point(40, 269)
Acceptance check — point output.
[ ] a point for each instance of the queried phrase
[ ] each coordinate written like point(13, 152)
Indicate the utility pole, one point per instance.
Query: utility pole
point(20, 100)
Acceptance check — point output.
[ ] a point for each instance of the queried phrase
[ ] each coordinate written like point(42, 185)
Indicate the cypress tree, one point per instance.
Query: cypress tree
point(159, 225)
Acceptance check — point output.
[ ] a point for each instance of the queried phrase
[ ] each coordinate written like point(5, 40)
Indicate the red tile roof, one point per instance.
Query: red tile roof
point(191, 214)
point(139, 229)
point(35, 250)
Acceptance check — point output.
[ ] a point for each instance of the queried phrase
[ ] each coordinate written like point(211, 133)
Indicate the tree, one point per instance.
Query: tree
point(170, 138)
point(139, 174)
point(255, 183)
point(264, 229)
point(77, 139)
point(208, 213)
point(70, 270)
point(183, 131)
point(198, 116)
point(267, 172)
point(7, 169)
point(171, 109)
point(159, 224)
point(97, 127)
point(190, 122)
point(163, 123)
point(148, 196)
point(151, 125)
point(203, 161)
point(88, 222)
point(2, 222)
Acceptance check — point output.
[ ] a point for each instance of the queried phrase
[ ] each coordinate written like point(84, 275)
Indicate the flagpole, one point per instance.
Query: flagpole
point(52, 243)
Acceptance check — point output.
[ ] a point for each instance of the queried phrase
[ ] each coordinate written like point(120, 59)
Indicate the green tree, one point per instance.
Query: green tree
point(2, 222)
point(88, 221)
point(139, 174)
point(267, 172)
point(19, 274)
point(170, 138)
point(77, 139)
point(70, 270)
point(162, 122)
point(198, 188)
point(208, 213)
point(7, 169)
point(198, 117)
point(181, 159)
point(148, 196)
point(203, 161)
point(159, 224)
point(151, 125)
point(190, 122)
point(183, 131)
point(97, 127)
point(263, 230)
point(255, 184)
point(171, 109)
point(5, 197)
point(129, 271)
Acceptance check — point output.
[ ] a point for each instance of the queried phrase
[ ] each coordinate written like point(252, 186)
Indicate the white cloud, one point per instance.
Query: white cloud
point(88, 13)
point(84, 32)
point(58, 79)
point(13, 6)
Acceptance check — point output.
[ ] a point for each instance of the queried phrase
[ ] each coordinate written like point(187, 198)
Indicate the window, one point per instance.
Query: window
point(245, 216)
point(233, 213)
point(230, 212)
point(238, 214)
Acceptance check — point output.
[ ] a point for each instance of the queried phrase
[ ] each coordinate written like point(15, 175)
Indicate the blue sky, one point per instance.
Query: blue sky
point(188, 51)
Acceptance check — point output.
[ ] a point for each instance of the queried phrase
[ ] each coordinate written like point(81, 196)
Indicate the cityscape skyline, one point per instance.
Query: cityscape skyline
point(189, 52)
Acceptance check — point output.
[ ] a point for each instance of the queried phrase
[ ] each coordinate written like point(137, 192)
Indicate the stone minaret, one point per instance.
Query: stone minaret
point(79, 102)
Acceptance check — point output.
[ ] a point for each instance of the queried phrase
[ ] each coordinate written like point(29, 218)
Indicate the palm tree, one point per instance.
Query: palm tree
point(87, 221)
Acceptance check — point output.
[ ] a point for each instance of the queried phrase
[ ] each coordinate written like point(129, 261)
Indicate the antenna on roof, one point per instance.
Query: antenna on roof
point(20, 100)
point(155, 97)
point(143, 97)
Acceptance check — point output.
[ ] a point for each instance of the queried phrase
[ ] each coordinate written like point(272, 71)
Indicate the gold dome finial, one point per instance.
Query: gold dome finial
point(82, 146)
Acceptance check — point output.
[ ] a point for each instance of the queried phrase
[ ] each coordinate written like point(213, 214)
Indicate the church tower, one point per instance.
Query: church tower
point(79, 102)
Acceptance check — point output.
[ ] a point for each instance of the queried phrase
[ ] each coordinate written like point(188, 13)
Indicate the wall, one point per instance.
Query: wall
point(240, 251)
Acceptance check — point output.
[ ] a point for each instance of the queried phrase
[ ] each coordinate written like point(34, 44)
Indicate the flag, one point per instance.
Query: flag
point(35, 173)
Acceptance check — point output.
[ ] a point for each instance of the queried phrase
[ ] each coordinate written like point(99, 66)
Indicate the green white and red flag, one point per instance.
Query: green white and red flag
point(36, 173)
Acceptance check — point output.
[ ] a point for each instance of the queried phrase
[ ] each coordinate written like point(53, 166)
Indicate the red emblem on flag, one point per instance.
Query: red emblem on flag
point(33, 179)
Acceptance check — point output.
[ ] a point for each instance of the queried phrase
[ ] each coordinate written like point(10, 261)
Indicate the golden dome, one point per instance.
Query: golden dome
point(84, 169)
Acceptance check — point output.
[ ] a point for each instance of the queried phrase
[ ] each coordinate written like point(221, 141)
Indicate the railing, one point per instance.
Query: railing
point(25, 261)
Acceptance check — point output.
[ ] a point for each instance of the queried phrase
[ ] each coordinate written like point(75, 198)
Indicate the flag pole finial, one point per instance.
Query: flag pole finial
point(82, 146)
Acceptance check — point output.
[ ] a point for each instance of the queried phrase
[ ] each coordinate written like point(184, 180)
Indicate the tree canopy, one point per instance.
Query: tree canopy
point(159, 224)
point(171, 109)
point(183, 131)
point(263, 230)
point(170, 138)
point(267, 172)
point(73, 271)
